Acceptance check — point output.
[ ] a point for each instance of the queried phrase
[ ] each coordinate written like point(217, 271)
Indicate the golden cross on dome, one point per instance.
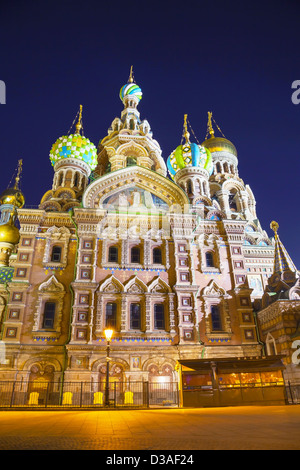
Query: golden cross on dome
point(186, 133)
point(274, 226)
point(209, 125)
point(79, 123)
point(17, 180)
point(131, 79)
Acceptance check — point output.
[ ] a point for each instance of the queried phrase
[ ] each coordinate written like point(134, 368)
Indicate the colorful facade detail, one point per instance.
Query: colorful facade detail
point(171, 256)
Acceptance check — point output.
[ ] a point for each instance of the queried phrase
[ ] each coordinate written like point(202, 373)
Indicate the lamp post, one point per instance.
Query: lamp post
point(108, 335)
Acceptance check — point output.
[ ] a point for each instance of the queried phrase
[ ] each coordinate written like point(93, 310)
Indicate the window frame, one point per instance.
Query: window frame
point(156, 313)
point(52, 314)
point(132, 313)
point(113, 313)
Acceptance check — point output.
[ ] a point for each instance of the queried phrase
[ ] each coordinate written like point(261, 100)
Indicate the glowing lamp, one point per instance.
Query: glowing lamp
point(108, 334)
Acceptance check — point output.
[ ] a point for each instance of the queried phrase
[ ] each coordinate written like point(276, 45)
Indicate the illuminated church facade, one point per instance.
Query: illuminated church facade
point(169, 253)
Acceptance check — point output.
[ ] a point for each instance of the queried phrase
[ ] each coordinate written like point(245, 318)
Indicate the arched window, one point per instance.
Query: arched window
point(113, 254)
point(135, 255)
point(76, 179)
point(111, 315)
point(61, 178)
point(131, 161)
point(135, 316)
point(56, 254)
point(49, 315)
point(232, 202)
point(216, 321)
point(189, 187)
point(271, 345)
point(157, 256)
point(218, 167)
point(209, 259)
point(159, 317)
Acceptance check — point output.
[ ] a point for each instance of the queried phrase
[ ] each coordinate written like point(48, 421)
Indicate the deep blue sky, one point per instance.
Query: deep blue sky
point(235, 58)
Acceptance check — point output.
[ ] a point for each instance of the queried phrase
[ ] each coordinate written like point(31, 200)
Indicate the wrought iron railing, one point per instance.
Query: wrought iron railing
point(87, 394)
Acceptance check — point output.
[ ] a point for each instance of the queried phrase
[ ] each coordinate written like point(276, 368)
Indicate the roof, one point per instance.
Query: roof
point(235, 364)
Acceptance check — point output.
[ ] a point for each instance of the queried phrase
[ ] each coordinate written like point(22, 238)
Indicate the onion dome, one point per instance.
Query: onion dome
point(189, 155)
point(75, 146)
point(14, 196)
point(9, 234)
point(131, 89)
point(218, 144)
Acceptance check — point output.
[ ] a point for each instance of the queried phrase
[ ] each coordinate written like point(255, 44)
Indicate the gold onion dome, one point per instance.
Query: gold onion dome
point(9, 234)
point(12, 196)
point(217, 144)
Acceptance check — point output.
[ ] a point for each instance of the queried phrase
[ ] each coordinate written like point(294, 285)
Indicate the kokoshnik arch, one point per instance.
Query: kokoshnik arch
point(171, 255)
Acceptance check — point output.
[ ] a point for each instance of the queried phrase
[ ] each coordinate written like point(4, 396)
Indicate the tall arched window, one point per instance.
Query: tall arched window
point(216, 321)
point(232, 202)
point(189, 187)
point(157, 256)
point(135, 316)
point(76, 180)
point(56, 254)
point(209, 259)
point(159, 317)
point(135, 255)
point(49, 315)
point(111, 315)
point(113, 253)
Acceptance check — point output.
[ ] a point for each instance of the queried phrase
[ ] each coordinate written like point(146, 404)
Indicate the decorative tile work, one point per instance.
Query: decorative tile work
point(6, 274)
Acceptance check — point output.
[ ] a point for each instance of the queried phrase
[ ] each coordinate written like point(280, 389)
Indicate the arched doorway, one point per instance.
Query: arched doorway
point(40, 384)
point(116, 381)
point(162, 389)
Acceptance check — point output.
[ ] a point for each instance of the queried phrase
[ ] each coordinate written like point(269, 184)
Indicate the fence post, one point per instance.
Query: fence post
point(12, 395)
point(291, 393)
point(47, 392)
point(80, 394)
point(146, 393)
point(115, 395)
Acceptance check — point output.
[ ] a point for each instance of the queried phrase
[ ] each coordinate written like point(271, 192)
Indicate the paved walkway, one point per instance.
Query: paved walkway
point(276, 427)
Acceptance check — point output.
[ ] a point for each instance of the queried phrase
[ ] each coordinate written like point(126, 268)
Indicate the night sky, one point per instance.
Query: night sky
point(236, 59)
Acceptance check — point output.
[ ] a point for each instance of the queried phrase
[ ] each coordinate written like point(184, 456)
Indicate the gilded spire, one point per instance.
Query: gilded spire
point(186, 134)
point(131, 79)
point(79, 123)
point(209, 125)
point(17, 180)
point(282, 260)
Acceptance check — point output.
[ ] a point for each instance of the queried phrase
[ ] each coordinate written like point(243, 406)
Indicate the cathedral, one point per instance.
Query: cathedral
point(166, 251)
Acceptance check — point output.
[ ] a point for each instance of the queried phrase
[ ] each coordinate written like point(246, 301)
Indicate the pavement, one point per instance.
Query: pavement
point(231, 428)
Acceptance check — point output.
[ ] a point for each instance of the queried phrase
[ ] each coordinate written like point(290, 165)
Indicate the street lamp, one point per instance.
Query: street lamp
point(108, 335)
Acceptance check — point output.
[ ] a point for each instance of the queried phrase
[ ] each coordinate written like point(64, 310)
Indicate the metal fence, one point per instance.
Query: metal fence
point(87, 394)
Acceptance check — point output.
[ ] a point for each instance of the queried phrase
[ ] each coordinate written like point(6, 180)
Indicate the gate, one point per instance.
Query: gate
point(87, 394)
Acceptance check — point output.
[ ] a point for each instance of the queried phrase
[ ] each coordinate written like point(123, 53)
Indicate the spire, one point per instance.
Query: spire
point(79, 123)
point(17, 180)
point(283, 263)
point(186, 134)
point(209, 125)
point(131, 78)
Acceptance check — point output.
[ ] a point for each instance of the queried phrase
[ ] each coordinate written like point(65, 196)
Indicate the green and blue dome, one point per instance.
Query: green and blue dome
point(189, 155)
point(74, 146)
point(131, 89)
